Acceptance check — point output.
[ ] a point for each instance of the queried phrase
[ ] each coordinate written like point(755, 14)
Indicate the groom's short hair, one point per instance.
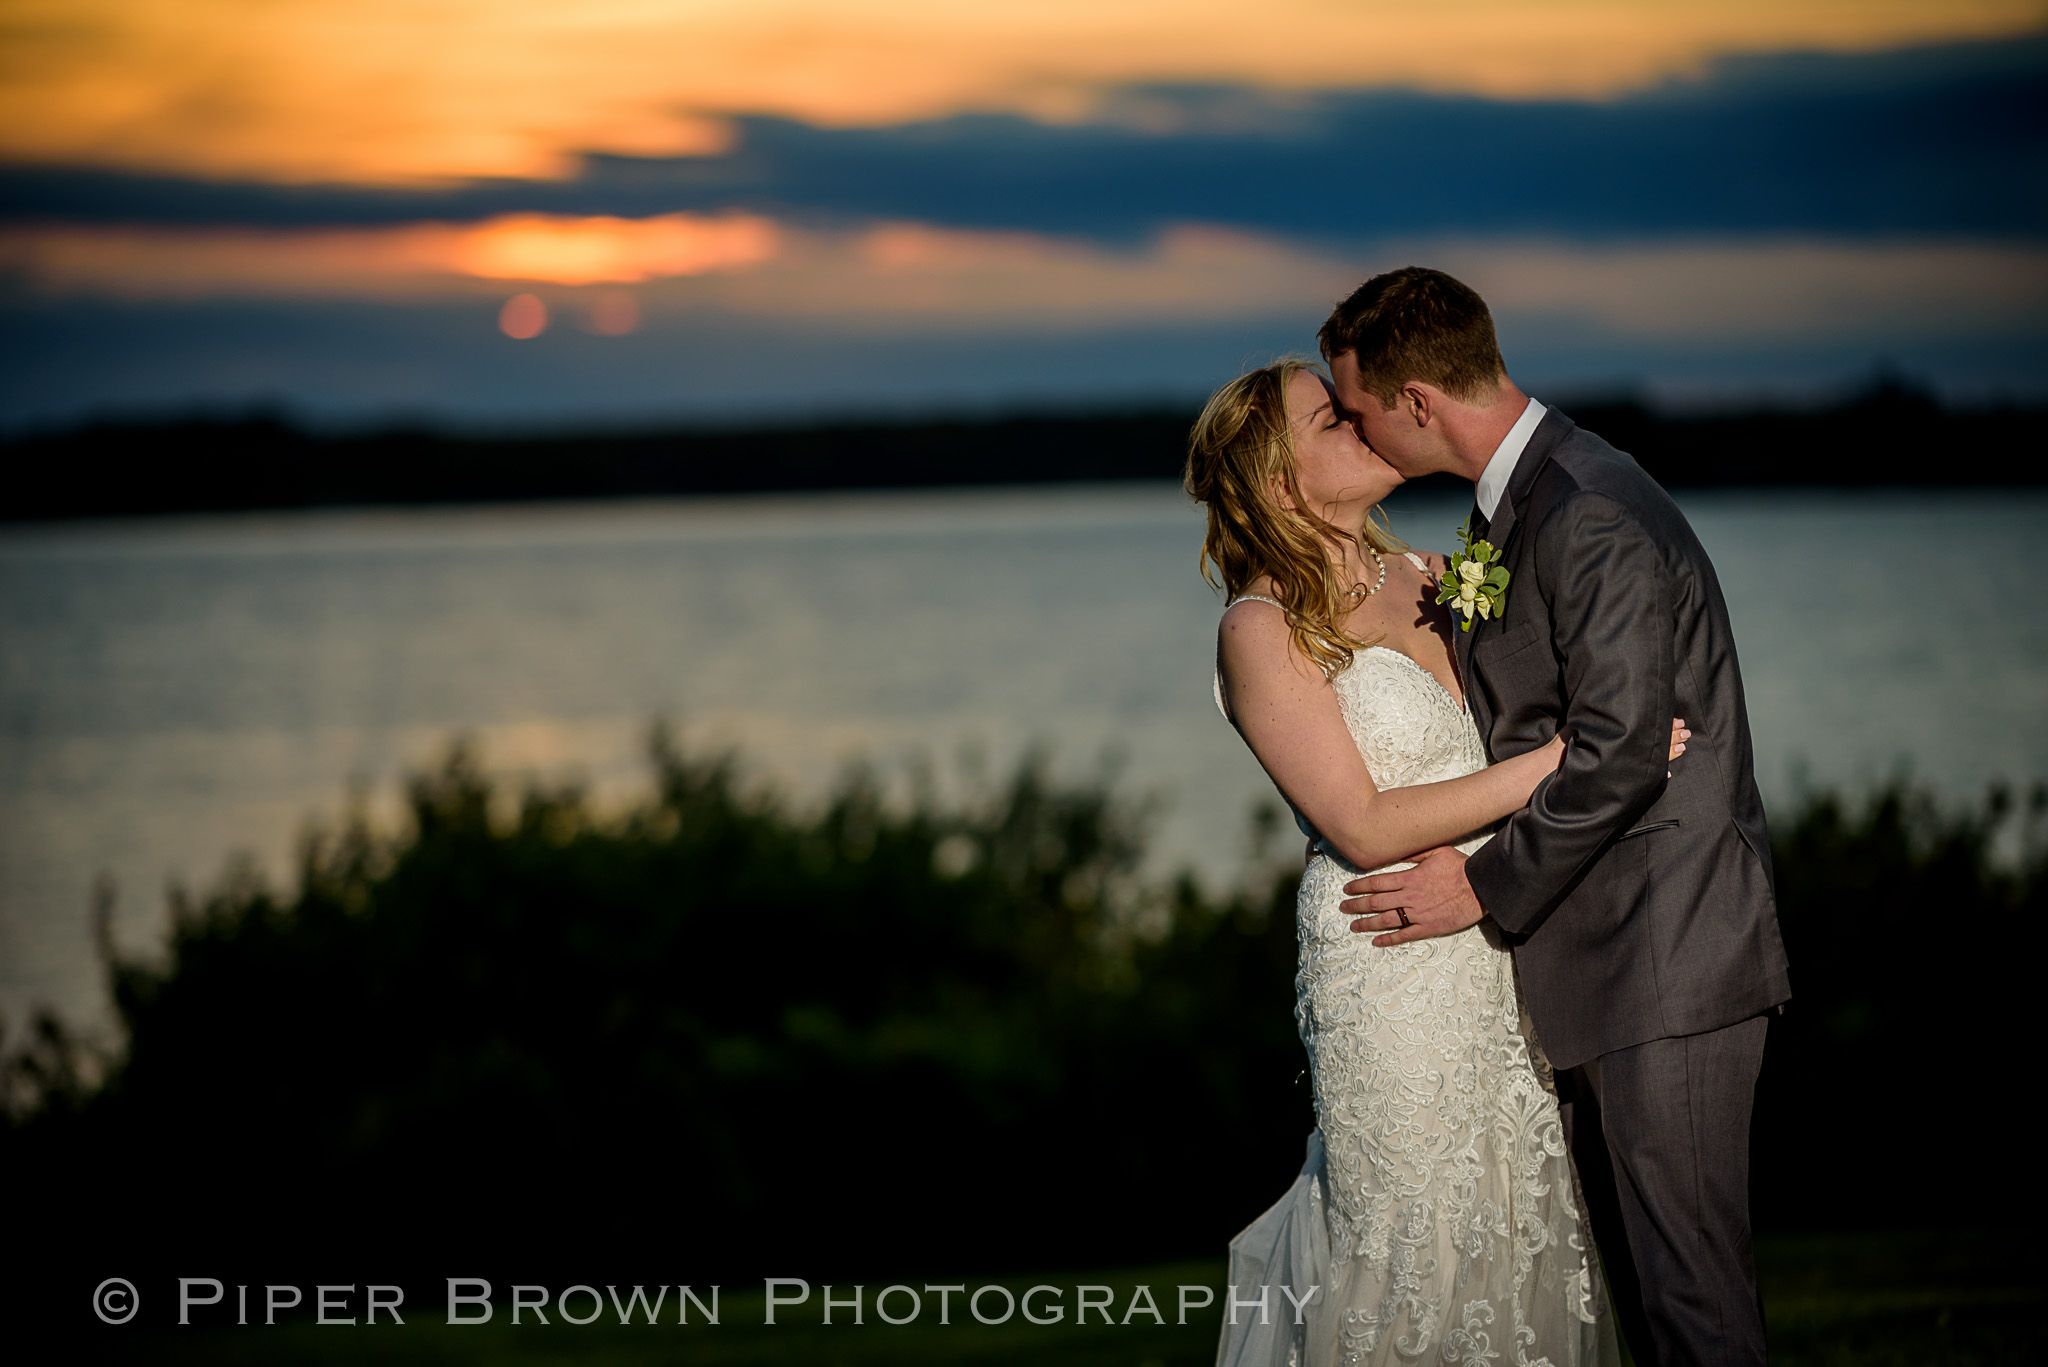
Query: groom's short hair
point(1416, 324)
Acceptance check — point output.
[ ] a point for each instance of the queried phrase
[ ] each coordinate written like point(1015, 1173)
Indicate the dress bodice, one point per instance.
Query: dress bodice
point(1407, 726)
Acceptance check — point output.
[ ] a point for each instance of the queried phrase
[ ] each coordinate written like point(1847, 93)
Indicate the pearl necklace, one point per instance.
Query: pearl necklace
point(1359, 590)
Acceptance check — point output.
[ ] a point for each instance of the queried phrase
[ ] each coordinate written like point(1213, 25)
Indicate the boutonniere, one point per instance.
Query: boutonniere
point(1476, 582)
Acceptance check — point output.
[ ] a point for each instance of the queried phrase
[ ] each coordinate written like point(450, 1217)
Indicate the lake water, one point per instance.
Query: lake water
point(174, 692)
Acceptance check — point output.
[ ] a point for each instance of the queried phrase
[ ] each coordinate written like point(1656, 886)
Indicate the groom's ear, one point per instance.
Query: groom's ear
point(1418, 402)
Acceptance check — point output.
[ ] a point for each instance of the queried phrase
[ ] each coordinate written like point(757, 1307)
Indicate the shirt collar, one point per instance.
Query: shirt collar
point(1493, 480)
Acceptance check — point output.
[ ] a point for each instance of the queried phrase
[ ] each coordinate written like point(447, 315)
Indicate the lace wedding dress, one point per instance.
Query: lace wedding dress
point(1436, 1215)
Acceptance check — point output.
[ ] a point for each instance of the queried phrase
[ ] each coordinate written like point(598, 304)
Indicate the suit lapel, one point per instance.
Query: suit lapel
point(1507, 520)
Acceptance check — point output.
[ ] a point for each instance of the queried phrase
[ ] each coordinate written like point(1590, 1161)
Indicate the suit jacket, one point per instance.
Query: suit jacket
point(1640, 906)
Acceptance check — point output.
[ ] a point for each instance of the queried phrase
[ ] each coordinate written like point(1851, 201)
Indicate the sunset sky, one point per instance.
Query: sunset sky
point(622, 210)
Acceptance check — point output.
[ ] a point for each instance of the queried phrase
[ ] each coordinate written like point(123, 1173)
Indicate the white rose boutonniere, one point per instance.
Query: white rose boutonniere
point(1476, 584)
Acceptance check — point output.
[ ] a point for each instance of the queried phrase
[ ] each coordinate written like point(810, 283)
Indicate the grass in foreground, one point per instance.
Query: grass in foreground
point(1935, 1299)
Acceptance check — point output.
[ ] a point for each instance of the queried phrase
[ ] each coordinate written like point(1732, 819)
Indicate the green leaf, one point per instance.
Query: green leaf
point(1497, 577)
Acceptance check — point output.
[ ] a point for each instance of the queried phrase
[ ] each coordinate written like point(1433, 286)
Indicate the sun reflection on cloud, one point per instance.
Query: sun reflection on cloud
point(584, 251)
point(413, 260)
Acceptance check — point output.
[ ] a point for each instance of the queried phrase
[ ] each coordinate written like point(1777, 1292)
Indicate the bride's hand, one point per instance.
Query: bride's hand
point(1679, 736)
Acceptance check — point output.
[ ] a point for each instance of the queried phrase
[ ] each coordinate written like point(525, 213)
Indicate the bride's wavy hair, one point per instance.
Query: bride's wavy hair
point(1240, 463)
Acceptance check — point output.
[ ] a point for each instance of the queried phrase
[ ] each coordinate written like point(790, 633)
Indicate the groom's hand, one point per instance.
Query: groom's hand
point(1433, 897)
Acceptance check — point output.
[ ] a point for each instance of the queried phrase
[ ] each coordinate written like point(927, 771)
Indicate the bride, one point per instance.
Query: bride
point(1436, 1216)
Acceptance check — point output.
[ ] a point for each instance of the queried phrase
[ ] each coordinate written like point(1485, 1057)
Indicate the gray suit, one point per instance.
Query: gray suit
point(1639, 905)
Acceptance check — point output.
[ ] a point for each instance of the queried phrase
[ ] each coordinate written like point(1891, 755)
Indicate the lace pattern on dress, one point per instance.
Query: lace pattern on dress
point(1455, 1233)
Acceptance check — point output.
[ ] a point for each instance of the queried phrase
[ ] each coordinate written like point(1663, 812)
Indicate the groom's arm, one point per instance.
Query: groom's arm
point(1612, 628)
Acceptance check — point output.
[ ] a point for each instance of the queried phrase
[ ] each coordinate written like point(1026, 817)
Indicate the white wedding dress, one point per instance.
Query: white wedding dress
point(1437, 1214)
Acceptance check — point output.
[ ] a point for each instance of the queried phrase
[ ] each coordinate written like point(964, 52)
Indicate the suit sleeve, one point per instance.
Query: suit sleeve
point(1612, 628)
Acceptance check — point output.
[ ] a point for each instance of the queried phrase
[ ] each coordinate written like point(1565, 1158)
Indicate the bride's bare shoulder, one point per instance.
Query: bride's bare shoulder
point(1253, 615)
point(1254, 638)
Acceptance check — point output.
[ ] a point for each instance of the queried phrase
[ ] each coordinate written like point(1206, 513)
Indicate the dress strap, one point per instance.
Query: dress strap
point(1216, 684)
point(1417, 561)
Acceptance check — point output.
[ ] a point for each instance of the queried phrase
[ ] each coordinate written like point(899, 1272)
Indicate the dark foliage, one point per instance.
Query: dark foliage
point(698, 1033)
point(1898, 1072)
point(1887, 436)
point(708, 1032)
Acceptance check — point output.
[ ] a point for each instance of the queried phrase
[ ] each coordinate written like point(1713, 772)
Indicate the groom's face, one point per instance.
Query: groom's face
point(1391, 432)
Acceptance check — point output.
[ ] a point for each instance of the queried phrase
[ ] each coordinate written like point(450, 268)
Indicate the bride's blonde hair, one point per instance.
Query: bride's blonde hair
point(1240, 458)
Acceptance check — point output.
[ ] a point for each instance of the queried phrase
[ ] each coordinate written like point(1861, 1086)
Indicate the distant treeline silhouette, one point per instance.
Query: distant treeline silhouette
point(718, 1037)
point(1892, 434)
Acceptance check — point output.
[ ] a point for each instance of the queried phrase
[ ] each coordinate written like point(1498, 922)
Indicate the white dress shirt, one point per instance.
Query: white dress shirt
point(1493, 480)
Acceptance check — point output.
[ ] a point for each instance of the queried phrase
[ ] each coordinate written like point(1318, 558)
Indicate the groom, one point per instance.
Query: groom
point(1636, 892)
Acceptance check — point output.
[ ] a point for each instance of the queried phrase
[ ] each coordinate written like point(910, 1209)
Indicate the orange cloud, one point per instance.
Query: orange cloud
point(907, 278)
point(394, 91)
point(409, 261)
point(911, 278)
point(587, 251)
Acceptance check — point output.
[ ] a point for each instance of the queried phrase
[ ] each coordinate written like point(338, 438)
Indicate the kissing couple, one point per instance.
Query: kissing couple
point(1539, 947)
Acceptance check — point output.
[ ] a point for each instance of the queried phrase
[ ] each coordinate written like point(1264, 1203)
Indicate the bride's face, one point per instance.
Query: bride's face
point(1340, 476)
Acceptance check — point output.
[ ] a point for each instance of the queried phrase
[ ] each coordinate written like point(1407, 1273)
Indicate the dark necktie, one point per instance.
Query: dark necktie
point(1481, 523)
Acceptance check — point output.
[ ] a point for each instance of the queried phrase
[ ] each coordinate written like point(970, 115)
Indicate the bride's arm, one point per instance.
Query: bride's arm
point(1287, 712)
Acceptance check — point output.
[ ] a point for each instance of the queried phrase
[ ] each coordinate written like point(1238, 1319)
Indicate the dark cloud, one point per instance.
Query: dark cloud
point(1944, 140)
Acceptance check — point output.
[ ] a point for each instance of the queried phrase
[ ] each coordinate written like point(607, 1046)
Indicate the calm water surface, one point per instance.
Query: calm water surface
point(174, 692)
